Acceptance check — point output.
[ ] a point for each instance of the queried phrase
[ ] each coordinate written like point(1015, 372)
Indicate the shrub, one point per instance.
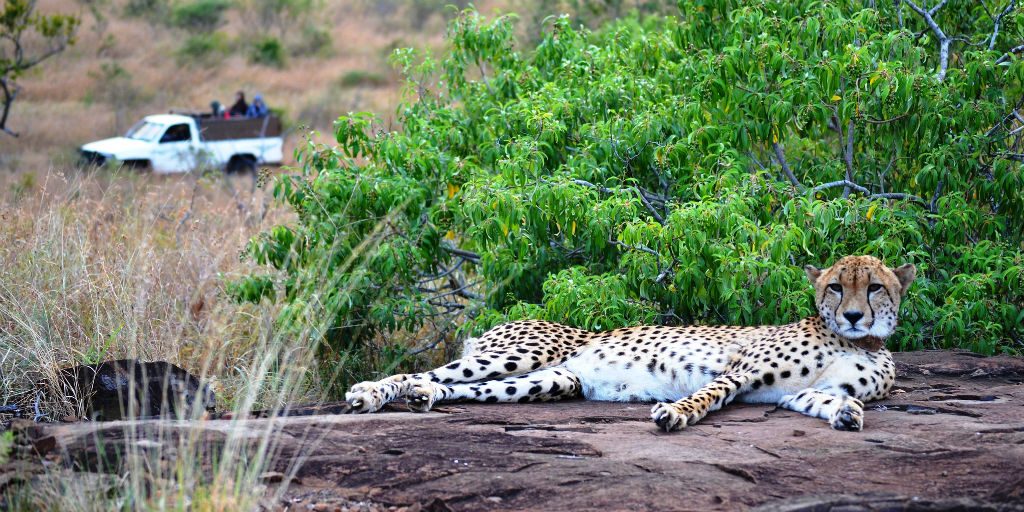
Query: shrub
point(360, 78)
point(204, 48)
point(313, 41)
point(199, 15)
point(268, 51)
point(149, 9)
point(677, 170)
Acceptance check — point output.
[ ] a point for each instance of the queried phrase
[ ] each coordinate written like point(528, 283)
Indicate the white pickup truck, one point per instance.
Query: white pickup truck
point(169, 143)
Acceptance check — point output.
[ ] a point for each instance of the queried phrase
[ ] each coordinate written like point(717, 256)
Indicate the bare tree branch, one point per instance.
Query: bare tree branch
point(646, 197)
point(848, 156)
point(998, 20)
point(785, 166)
point(469, 256)
point(840, 183)
point(932, 206)
point(944, 40)
point(649, 206)
point(641, 248)
point(1006, 56)
point(867, 193)
point(899, 196)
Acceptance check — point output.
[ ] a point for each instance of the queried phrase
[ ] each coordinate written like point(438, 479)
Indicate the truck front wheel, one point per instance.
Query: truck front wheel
point(241, 164)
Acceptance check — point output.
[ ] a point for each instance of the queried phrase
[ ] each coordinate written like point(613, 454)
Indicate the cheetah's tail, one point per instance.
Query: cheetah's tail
point(469, 347)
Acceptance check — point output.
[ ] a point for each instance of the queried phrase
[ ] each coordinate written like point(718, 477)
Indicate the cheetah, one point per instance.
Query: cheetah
point(825, 366)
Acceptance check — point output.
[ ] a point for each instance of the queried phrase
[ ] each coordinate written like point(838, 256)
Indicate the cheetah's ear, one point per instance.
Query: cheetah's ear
point(813, 273)
point(906, 274)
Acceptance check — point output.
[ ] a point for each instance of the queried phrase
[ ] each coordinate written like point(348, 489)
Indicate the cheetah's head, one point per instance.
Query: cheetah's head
point(859, 297)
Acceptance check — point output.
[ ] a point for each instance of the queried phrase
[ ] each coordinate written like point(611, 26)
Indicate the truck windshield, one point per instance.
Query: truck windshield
point(147, 131)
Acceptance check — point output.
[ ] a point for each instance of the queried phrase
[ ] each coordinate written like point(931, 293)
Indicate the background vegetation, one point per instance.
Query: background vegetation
point(105, 264)
point(673, 169)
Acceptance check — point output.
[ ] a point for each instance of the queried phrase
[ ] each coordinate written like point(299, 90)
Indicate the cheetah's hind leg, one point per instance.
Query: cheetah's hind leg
point(540, 385)
point(371, 396)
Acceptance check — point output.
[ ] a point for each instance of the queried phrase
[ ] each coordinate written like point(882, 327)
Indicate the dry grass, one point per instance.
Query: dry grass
point(104, 266)
point(109, 265)
point(65, 102)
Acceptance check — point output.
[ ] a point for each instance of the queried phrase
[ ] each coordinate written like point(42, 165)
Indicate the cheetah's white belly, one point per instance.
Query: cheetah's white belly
point(624, 380)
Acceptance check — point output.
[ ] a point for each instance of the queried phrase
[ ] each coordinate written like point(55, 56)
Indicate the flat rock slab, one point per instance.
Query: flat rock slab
point(950, 438)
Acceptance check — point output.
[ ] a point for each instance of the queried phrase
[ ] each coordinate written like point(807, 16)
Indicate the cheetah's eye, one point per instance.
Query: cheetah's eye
point(836, 287)
point(874, 288)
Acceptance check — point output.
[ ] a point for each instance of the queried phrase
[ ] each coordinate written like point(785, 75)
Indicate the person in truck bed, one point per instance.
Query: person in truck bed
point(258, 108)
point(240, 108)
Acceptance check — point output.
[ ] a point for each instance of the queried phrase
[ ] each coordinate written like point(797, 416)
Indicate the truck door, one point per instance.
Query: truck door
point(175, 152)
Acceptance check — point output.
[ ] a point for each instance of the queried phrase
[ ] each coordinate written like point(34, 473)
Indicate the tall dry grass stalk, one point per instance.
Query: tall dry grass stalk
point(121, 265)
point(102, 266)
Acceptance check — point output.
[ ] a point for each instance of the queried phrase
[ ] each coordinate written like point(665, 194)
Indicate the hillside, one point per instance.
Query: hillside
point(128, 62)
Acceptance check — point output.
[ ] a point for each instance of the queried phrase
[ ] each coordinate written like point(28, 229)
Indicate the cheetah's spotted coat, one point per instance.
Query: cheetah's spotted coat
point(824, 366)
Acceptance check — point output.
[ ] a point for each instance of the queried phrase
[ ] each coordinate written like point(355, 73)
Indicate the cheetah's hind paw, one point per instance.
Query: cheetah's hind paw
point(421, 396)
point(364, 397)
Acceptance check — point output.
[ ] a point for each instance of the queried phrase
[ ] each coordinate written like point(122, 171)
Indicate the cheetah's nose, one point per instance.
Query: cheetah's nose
point(853, 316)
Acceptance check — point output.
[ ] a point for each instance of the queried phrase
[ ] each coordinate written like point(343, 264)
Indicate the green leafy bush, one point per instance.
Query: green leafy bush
point(205, 48)
point(199, 15)
point(313, 41)
point(359, 78)
point(268, 51)
point(671, 169)
point(149, 9)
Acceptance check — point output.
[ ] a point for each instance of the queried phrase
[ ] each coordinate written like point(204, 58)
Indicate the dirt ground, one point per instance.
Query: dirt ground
point(950, 438)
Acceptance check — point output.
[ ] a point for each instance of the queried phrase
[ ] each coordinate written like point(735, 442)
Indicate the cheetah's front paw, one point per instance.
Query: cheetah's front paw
point(421, 396)
point(364, 397)
point(668, 417)
point(850, 416)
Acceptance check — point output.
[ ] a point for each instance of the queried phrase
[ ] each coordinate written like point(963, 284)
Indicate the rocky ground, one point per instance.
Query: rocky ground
point(950, 438)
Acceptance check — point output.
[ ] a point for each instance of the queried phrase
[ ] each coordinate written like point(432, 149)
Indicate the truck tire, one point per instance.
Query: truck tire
point(241, 164)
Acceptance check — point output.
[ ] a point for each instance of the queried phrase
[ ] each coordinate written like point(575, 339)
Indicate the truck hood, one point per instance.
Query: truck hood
point(121, 148)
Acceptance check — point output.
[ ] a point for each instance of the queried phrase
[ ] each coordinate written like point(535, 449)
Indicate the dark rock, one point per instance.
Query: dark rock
point(127, 388)
point(965, 454)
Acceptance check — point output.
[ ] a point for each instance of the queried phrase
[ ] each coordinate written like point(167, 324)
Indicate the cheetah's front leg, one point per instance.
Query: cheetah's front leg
point(713, 396)
point(843, 412)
